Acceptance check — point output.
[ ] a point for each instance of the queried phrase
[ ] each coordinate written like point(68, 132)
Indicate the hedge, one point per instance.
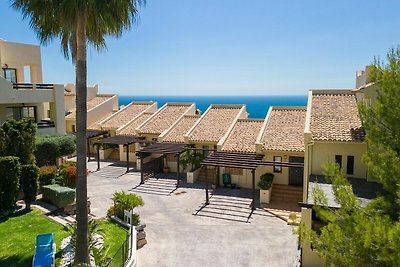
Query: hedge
point(10, 170)
point(51, 147)
point(17, 138)
point(58, 195)
point(29, 183)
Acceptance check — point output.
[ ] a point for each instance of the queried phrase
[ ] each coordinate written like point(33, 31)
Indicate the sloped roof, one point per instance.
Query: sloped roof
point(126, 114)
point(164, 118)
point(284, 129)
point(95, 125)
point(94, 102)
point(243, 136)
point(177, 133)
point(214, 124)
point(335, 117)
point(130, 129)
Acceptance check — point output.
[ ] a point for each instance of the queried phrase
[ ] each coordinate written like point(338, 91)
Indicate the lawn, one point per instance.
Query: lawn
point(18, 234)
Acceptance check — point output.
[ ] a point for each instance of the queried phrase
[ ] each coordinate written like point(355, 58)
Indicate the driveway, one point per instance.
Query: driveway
point(182, 233)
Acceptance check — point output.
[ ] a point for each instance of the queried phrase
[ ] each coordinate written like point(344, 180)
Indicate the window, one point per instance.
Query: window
point(73, 128)
point(10, 74)
point(350, 165)
point(19, 113)
point(205, 151)
point(278, 168)
point(154, 139)
point(338, 160)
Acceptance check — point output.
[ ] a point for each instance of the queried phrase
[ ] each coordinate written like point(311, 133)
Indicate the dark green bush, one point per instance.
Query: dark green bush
point(10, 170)
point(47, 175)
point(122, 202)
point(58, 195)
point(29, 183)
point(51, 147)
point(266, 180)
point(17, 138)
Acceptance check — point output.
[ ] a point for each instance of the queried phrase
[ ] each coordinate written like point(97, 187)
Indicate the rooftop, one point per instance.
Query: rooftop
point(284, 129)
point(334, 116)
point(92, 103)
point(243, 136)
point(95, 125)
point(215, 122)
point(131, 128)
point(124, 115)
point(164, 118)
point(177, 133)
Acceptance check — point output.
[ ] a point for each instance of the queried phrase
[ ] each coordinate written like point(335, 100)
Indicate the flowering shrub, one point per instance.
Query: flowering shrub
point(68, 176)
point(47, 175)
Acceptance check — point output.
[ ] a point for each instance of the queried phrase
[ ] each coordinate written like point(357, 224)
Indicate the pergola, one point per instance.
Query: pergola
point(92, 134)
point(123, 140)
point(245, 161)
point(175, 149)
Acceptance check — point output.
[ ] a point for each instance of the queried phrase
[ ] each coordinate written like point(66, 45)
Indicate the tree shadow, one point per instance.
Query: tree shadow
point(16, 213)
point(15, 260)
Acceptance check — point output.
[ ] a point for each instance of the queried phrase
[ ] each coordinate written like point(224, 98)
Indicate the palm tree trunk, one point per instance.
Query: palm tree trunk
point(82, 252)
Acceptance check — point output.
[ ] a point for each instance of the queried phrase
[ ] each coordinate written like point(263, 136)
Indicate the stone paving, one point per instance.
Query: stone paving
point(181, 231)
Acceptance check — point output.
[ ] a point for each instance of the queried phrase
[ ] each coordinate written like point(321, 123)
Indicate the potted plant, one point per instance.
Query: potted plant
point(265, 185)
point(193, 159)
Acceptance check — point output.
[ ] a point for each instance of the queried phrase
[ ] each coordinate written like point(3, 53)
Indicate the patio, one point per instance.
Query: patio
point(217, 235)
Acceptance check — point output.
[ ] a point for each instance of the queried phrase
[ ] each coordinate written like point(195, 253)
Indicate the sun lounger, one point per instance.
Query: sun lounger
point(45, 251)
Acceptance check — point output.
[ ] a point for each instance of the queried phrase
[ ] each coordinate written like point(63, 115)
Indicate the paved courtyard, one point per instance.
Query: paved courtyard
point(181, 232)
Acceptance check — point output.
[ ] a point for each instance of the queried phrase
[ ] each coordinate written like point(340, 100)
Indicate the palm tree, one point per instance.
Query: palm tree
point(78, 23)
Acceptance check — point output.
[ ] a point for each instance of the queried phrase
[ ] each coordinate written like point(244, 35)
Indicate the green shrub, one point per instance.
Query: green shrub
point(17, 138)
point(122, 202)
point(10, 170)
point(29, 183)
point(266, 180)
point(47, 175)
point(58, 195)
point(51, 147)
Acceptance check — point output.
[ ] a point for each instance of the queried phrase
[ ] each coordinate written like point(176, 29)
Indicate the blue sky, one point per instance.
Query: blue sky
point(230, 47)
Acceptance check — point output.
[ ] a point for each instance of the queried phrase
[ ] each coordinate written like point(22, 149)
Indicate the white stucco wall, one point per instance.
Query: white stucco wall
point(321, 152)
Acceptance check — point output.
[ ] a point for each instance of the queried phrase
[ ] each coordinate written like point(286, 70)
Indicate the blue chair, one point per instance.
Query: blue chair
point(45, 251)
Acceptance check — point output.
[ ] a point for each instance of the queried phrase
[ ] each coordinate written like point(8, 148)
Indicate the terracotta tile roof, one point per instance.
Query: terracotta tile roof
point(177, 133)
point(90, 104)
point(130, 129)
point(243, 136)
point(164, 119)
point(335, 117)
point(214, 124)
point(284, 130)
point(124, 115)
point(95, 125)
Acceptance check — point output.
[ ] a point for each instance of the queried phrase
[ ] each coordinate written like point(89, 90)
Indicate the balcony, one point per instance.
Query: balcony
point(30, 86)
point(46, 127)
point(25, 92)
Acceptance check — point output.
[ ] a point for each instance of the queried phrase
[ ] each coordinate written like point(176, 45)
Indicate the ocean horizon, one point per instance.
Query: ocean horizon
point(257, 105)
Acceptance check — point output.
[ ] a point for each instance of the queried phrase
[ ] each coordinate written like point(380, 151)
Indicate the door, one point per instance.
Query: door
point(296, 173)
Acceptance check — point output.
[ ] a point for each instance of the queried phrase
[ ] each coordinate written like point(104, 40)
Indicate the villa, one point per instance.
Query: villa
point(23, 95)
point(292, 143)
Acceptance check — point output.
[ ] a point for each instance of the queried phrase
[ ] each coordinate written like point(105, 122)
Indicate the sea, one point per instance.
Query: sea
point(257, 106)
